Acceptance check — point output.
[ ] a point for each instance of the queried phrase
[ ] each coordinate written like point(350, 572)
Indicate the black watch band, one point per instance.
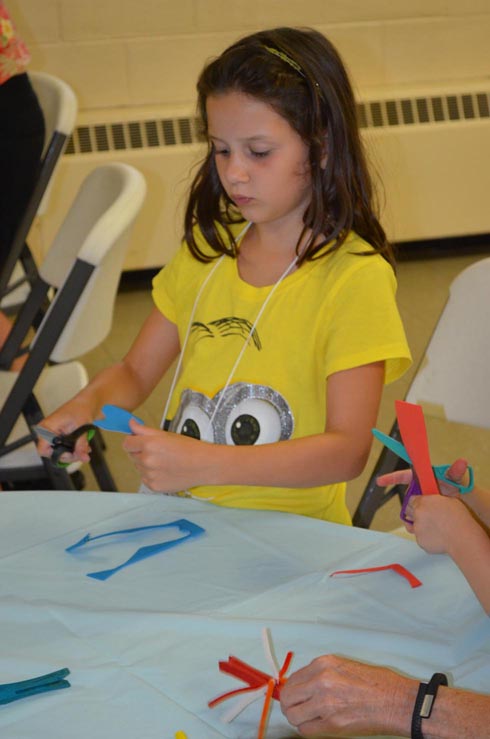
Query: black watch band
point(425, 700)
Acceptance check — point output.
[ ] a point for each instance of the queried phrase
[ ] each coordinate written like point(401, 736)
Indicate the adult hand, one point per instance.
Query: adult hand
point(456, 472)
point(167, 462)
point(337, 696)
point(437, 521)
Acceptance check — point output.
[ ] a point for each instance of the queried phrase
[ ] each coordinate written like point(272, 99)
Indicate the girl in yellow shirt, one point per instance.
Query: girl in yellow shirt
point(280, 302)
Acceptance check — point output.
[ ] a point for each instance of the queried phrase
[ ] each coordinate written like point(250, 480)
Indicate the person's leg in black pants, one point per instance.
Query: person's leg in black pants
point(21, 145)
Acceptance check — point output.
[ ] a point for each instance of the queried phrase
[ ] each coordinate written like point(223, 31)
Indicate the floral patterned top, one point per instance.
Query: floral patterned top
point(14, 55)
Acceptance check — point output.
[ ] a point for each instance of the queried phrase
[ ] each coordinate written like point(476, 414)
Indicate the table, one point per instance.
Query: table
point(143, 646)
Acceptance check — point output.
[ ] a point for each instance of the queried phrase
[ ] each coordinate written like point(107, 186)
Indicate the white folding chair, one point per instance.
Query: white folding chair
point(83, 266)
point(59, 106)
point(452, 379)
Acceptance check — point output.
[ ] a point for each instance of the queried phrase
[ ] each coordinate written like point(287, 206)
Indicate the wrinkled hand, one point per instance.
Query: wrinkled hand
point(66, 419)
point(338, 696)
point(457, 472)
point(167, 462)
point(437, 521)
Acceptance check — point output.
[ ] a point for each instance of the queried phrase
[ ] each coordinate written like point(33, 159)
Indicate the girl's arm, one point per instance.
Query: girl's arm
point(127, 383)
point(173, 462)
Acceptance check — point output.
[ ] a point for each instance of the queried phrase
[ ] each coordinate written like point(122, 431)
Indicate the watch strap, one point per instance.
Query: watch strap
point(424, 702)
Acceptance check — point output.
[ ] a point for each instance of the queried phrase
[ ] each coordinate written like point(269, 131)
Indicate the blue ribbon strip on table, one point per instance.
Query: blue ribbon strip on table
point(43, 684)
point(191, 530)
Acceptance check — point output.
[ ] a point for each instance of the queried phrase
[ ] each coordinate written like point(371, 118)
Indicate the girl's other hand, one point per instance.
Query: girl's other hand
point(167, 462)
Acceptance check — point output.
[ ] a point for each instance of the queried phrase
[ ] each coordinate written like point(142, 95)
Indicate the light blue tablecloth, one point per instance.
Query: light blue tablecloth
point(143, 647)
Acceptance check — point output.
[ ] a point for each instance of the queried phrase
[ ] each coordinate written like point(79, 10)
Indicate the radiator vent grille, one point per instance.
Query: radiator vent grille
point(375, 114)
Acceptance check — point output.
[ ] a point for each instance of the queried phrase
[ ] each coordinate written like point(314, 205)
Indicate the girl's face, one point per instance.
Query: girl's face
point(261, 161)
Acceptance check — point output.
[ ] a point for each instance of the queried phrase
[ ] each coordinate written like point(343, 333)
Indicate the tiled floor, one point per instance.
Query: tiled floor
point(422, 292)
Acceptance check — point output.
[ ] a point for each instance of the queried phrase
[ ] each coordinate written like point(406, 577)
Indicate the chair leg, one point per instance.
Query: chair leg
point(99, 465)
point(58, 477)
point(374, 496)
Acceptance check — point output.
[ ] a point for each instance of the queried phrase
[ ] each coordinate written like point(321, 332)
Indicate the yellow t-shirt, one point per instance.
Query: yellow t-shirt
point(332, 314)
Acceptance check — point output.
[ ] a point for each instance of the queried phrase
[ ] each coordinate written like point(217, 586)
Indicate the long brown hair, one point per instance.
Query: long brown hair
point(301, 75)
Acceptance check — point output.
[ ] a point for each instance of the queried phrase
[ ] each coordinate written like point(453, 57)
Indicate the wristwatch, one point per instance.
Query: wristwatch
point(424, 702)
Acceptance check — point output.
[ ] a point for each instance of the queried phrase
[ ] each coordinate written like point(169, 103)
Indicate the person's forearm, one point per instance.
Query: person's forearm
point(458, 714)
point(470, 550)
point(479, 502)
point(308, 462)
point(117, 385)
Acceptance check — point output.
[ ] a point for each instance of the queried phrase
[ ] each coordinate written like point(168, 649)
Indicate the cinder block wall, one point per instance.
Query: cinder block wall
point(119, 53)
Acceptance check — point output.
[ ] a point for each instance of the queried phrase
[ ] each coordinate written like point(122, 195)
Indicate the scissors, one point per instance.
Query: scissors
point(64, 443)
point(15, 691)
point(424, 475)
point(115, 419)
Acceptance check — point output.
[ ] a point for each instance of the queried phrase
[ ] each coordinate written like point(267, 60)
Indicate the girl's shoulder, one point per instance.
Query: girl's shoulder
point(354, 263)
point(354, 253)
point(183, 261)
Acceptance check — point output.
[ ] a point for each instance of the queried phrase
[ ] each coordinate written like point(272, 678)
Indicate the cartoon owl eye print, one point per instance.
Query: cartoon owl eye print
point(242, 414)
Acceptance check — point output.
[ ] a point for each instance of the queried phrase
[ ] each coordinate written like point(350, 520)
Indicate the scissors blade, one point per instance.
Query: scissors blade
point(392, 444)
point(44, 433)
point(414, 435)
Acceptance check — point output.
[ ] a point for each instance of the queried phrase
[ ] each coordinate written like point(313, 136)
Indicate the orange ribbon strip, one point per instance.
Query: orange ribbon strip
point(399, 569)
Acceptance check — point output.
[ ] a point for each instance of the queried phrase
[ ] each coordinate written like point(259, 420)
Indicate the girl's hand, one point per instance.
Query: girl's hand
point(438, 521)
point(167, 462)
point(63, 421)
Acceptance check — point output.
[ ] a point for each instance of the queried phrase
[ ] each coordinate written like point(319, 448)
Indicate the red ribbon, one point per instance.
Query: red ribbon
point(255, 679)
point(399, 569)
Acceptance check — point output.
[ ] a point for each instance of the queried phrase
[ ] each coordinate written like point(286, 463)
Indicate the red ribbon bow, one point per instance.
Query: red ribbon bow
point(255, 680)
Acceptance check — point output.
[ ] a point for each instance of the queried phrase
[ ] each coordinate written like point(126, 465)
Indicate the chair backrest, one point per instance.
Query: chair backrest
point(95, 232)
point(452, 381)
point(59, 106)
point(84, 264)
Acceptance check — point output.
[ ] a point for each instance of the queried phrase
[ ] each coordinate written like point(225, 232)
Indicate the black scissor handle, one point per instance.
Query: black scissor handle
point(65, 443)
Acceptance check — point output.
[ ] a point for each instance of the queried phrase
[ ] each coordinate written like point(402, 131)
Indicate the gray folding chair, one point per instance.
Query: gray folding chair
point(83, 267)
point(59, 106)
point(452, 379)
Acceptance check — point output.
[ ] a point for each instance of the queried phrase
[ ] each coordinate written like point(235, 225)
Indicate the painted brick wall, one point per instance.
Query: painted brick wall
point(118, 53)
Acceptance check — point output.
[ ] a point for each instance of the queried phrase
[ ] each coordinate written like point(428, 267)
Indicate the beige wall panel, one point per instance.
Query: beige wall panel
point(430, 50)
point(239, 16)
point(166, 70)
point(96, 72)
point(103, 19)
point(457, 7)
point(361, 48)
point(345, 11)
point(243, 14)
point(37, 21)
